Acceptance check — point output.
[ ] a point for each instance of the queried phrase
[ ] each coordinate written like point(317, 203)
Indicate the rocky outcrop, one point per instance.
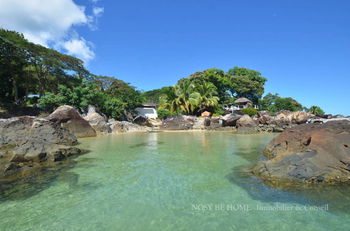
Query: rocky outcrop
point(70, 119)
point(287, 117)
point(97, 121)
point(245, 121)
point(142, 121)
point(178, 122)
point(26, 141)
point(308, 153)
point(231, 119)
point(124, 126)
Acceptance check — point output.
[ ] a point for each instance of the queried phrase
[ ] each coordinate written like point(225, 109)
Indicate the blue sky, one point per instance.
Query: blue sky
point(301, 46)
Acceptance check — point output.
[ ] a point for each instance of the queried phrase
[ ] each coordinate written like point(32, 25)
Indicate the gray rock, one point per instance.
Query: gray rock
point(70, 119)
point(178, 122)
point(27, 139)
point(230, 119)
point(309, 153)
point(245, 121)
point(97, 121)
point(124, 126)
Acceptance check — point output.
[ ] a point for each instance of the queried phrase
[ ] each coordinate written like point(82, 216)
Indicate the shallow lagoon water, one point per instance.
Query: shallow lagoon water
point(170, 181)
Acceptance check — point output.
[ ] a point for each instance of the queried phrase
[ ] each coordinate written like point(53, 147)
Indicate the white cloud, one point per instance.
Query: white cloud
point(50, 23)
point(98, 11)
point(80, 48)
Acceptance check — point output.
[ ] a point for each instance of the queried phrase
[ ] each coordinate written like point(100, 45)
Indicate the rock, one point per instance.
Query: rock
point(142, 121)
point(178, 122)
point(265, 119)
point(70, 119)
point(199, 124)
point(124, 126)
point(206, 114)
point(155, 123)
point(230, 119)
point(97, 121)
point(287, 117)
point(214, 123)
point(309, 153)
point(29, 139)
point(299, 117)
point(245, 121)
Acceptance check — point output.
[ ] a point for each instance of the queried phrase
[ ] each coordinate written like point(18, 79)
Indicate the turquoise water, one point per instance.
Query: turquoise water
point(169, 181)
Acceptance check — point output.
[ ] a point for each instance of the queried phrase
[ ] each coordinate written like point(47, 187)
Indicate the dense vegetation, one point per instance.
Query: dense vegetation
point(27, 68)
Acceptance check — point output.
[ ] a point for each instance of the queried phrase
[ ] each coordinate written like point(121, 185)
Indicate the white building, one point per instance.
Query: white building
point(147, 110)
point(239, 104)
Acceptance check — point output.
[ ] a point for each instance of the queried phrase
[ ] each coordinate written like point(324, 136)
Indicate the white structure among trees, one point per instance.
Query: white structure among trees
point(147, 110)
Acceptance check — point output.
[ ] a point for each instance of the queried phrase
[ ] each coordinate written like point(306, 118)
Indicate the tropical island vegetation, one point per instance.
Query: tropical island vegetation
point(31, 74)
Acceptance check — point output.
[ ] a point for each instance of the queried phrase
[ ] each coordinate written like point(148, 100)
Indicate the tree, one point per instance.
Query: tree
point(217, 77)
point(31, 68)
point(246, 83)
point(79, 97)
point(168, 100)
point(274, 103)
point(315, 110)
point(206, 96)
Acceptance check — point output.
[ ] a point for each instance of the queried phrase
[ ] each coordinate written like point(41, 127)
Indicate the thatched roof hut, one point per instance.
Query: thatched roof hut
point(242, 100)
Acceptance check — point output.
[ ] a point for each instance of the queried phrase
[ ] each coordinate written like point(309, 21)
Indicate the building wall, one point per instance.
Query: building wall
point(150, 113)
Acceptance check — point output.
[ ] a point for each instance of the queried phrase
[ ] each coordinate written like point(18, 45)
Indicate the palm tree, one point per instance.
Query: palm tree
point(185, 98)
point(207, 95)
point(169, 99)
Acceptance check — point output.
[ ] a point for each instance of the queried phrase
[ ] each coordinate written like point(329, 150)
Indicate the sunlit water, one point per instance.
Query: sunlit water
point(169, 181)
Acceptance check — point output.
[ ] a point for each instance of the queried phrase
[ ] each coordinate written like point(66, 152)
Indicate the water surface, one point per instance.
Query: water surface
point(169, 181)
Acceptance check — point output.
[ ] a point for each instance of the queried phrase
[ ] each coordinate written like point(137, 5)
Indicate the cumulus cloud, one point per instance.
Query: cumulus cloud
point(50, 23)
point(79, 48)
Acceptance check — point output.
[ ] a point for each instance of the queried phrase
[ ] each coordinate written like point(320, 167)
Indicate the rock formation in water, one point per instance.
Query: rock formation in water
point(70, 119)
point(97, 121)
point(308, 153)
point(28, 141)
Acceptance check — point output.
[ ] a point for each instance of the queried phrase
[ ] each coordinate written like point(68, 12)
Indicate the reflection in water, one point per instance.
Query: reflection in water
point(150, 182)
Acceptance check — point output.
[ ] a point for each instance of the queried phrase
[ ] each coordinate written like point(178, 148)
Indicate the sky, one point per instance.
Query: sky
point(301, 46)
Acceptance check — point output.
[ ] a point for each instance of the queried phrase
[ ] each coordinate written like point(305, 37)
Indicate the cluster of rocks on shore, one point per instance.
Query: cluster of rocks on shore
point(303, 152)
point(309, 153)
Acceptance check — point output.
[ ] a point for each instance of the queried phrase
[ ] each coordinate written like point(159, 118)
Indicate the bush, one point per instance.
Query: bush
point(250, 111)
point(113, 107)
point(164, 113)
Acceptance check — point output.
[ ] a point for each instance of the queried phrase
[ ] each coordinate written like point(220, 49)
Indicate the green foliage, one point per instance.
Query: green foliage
point(246, 83)
point(79, 97)
point(164, 113)
point(27, 68)
point(189, 97)
point(113, 107)
point(218, 112)
point(274, 103)
point(316, 110)
point(250, 111)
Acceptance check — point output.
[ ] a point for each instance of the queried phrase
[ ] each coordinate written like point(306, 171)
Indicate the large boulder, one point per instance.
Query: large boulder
point(287, 117)
point(27, 140)
point(245, 121)
point(142, 121)
point(265, 119)
point(124, 126)
point(231, 119)
point(178, 122)
point(97, 121)
point(199, 123)
point(308, 153)
point(70, 119)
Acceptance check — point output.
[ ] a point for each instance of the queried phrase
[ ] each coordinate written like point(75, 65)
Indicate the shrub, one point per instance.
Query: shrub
point(249, 111)
point(164, 113)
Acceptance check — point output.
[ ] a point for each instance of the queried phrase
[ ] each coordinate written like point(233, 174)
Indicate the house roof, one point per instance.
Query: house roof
point(149, 105)
point(242, 100)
